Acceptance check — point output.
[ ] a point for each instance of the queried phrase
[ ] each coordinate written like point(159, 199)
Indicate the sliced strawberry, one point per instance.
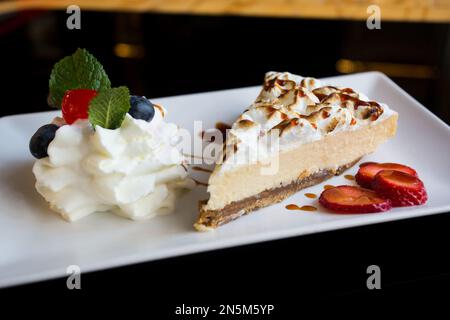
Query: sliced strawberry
point(401, 188)
point(368, 170)
point(351, 199)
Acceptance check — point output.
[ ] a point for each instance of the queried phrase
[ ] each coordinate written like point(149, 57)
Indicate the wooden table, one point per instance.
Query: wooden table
point(391, 10)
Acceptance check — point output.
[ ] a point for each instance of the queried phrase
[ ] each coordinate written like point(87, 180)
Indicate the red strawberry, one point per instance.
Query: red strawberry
point(75, 104)
point(401, 188)
point(351, 199)
point(368, 170)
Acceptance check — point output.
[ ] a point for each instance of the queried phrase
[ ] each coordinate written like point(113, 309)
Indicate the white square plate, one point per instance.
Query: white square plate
point(36, 244)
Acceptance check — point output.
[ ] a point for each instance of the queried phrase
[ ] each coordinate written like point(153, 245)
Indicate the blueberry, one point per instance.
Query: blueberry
point(41, 139)
point(141, 108)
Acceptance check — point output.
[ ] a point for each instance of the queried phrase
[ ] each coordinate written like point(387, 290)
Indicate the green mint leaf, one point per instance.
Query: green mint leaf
point(109, 107)
point(81, 70)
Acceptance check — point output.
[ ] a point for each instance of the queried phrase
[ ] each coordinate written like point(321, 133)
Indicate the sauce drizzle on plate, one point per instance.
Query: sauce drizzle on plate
point(311, 195)
point(303, 208)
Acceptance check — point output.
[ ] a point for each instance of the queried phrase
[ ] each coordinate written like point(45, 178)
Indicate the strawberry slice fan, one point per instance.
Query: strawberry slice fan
point(383, 185)
point(368, 171)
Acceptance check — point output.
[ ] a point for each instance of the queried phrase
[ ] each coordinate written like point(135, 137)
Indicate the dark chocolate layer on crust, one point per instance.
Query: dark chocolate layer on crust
point(213, 218)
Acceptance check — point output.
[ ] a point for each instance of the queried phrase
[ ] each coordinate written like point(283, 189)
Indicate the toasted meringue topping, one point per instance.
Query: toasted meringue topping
point(303, 110)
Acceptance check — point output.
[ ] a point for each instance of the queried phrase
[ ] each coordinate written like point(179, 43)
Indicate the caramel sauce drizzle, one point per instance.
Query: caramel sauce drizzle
point(348, 90)
point(311, 195)
point(302, 208)
point(161, 110)
point(349, 177)
point(303, 83)
point(308, 208)
point(222, 127)
point(325, 114)
point(323, 92)
point(328, 186)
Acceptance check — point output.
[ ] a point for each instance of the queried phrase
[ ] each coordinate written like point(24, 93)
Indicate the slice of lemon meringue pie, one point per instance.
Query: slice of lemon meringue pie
point(298, 133)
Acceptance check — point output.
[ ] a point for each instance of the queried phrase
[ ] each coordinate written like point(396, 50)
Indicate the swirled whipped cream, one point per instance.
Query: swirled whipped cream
point(135, 171)
point(301, 110)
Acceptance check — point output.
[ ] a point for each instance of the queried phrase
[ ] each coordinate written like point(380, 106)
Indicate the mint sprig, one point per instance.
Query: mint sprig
point(81, 70)
point(109, 107)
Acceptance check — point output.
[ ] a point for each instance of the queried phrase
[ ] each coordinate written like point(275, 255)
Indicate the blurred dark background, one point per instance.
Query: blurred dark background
point(163, 54)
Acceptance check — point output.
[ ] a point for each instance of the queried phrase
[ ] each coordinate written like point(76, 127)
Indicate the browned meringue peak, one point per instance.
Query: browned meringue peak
point(303, 110)
point(361, 109)
point(286, 88)
point(318, 117)
point(280, 79)
point(314, 108)
point(323, 92)
point(309, 83)
point(286, 96)
point(317, 120)
point(245, 124)
point(266, 115)
point(299, 105)
point(287, 124)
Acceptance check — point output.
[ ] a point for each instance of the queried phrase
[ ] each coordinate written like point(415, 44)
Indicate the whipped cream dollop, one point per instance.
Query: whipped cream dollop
point(135, 171)
point(302, 110)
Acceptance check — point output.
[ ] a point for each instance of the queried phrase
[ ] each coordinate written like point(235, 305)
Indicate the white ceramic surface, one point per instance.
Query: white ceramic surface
point(36, 244)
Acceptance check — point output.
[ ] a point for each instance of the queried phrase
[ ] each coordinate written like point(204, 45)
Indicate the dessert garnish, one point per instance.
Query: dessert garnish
point(75, 104)
point(141, 108)
point(351, 199)
point(392, 184)
point(41, 139)
point(110, 151)
point(80, 70)
point(401, 188)
point(368, 170)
